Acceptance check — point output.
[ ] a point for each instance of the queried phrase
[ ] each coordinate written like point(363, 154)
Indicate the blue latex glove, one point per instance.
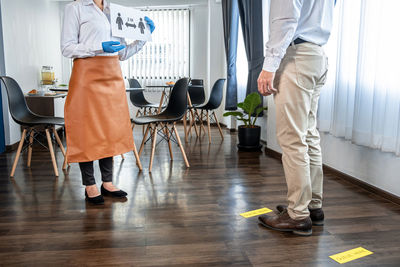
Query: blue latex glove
point(150, 23)
point(112, 46)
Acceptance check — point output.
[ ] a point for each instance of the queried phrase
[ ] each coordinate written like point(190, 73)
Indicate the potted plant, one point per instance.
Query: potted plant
point(249, 133)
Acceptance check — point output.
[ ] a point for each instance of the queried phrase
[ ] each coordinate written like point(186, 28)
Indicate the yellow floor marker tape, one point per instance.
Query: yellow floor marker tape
point(255, 212)
point(351, 255)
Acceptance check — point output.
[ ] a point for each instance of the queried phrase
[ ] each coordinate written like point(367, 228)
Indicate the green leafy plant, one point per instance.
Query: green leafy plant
point(250, 106)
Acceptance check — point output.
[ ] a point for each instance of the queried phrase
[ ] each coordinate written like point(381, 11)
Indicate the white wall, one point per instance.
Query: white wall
point(368, 165)
point(216, 52)
point(31, 34)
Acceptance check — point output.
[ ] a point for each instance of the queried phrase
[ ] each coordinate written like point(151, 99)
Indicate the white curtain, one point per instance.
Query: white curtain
point(361, 101)
point(166, 58)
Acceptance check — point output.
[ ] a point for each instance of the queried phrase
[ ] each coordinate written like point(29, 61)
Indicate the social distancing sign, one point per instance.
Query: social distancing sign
point(129, 23)
point(350, 255)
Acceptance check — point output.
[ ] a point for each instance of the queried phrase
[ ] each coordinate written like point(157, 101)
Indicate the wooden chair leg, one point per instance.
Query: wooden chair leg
point(21, 143)
point(201, 123)
point(138, 162)
point(30, 148)
point(185, 127)
point(208, 125)
point(59, 141)
point(219, 126)
point(53, 158)
point(144, 114)
point(169, 143)
point(180, 146)
point(194, 114)
point(193, 123)
point(64, 167)
point(153, 147)
point(144, 139)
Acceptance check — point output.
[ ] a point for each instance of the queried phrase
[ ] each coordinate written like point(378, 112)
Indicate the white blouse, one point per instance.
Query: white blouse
point(86, 27)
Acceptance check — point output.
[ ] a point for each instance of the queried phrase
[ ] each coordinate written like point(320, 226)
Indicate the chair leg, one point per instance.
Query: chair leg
point(144, 139)
point(185, 127)
point(21, 143)
point(65, 163)
point(208, 125)
point(64, 167)
point(59, 141)
point(30, 148)
point(201, 123)
point(144, 114)
point(138, 162)
point(169, 142)
point(180, 146)
point(219, 126)
point(193, 122)
point(153, 147)
point(53, 158)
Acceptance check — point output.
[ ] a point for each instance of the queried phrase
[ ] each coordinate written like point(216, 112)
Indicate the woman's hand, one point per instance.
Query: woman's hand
point(150, 23)
point(112, 46)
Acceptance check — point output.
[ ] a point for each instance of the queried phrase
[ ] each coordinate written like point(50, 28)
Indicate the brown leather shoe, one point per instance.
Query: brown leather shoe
point(317, 215)
point(282, 222)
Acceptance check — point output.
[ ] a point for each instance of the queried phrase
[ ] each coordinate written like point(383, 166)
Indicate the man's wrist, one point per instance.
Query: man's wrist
point(271, 64)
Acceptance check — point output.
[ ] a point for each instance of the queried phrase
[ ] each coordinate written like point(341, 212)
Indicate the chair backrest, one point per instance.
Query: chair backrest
point(196, 82)
point(16, 100)
point(137, 98)
point(177, 104)
point(196, 91)
point(216, 94)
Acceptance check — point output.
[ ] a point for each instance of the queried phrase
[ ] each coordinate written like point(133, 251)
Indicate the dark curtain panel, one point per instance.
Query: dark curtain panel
point(231, 23)
point(251, 18)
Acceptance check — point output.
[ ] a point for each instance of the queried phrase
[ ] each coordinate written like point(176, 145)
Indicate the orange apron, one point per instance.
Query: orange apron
point(97, 120)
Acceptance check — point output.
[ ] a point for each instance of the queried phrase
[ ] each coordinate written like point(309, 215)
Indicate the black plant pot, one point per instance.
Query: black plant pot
point(249, 138)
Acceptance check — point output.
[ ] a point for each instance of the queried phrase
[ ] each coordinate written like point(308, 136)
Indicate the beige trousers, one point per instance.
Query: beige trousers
point(299, 80)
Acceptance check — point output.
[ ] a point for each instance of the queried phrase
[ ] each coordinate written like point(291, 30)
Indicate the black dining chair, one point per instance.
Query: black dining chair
point(207, 111)
point(196, 97)
point(30, 121)
point(164, 124)
point(139, 101)
point(196, 92)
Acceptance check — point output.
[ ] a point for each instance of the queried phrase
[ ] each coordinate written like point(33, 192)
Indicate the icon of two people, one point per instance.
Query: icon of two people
point(120, 22)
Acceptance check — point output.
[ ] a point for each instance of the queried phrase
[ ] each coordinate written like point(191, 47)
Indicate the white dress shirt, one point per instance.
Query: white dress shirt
point(310, 20)
point(86, 27)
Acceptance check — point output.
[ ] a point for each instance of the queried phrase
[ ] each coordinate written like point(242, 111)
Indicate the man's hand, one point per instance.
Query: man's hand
point(266, 83)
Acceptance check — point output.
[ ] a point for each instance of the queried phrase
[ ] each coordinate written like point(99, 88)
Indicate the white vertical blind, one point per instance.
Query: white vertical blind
point(361, 101)
point(166, 58)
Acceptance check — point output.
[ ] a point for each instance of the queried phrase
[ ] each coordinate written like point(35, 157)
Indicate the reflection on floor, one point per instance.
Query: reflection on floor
point(179, 216)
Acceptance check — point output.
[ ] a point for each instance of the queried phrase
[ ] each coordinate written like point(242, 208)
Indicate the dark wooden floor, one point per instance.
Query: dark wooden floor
point(179, 216)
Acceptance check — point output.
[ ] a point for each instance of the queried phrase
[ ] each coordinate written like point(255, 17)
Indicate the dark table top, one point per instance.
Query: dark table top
point(47, 96)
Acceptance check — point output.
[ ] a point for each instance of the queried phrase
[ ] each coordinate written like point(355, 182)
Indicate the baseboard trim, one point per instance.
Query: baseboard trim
point(348, 178)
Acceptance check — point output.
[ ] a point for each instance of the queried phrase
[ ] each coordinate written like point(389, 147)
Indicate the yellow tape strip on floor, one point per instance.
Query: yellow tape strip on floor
point(351, 255)
point(253, 213)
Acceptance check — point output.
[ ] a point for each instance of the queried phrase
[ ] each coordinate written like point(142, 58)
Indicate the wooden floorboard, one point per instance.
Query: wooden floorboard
point(182, 217)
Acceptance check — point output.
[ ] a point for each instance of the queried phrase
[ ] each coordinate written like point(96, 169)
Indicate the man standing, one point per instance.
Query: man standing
point(294, 70)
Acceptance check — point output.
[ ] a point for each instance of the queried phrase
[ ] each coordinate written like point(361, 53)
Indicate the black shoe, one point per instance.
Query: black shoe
point(317, 215)
point(116, 194)
point(99, 200)
point(282, 222)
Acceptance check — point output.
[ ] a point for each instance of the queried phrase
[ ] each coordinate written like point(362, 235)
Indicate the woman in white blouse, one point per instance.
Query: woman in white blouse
point(97, 117)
